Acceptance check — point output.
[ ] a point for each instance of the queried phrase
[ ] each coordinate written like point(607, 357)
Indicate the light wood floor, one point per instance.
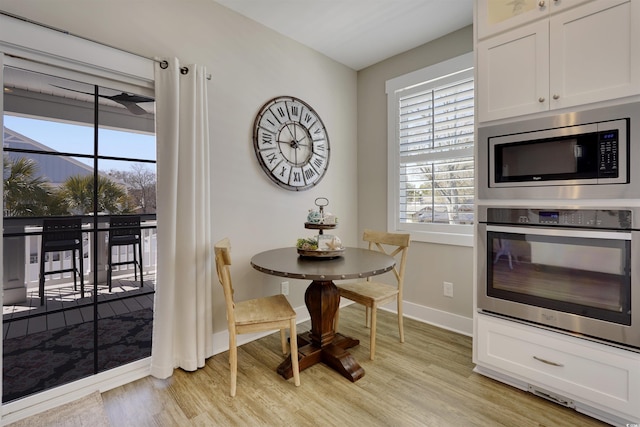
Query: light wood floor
point(427, 381)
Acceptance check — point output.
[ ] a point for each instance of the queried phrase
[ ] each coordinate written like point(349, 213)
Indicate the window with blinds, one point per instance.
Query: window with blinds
point(435, 136)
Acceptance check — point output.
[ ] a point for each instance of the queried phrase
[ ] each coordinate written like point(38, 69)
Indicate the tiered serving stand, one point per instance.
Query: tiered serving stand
point(317, 253)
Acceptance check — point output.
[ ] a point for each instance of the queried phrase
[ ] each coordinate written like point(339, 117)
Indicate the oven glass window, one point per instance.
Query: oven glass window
point(585, 276)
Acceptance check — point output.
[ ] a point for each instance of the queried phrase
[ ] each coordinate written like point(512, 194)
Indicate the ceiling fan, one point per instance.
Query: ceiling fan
point(130, 102)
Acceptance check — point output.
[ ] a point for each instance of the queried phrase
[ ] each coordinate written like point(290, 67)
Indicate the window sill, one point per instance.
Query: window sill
point(441, 238)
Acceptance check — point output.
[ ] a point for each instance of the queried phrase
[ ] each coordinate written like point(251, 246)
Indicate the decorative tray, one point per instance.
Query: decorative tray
point(315, 253)
point(314, 226)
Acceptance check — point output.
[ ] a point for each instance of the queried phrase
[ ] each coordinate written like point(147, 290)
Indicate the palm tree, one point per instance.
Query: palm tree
point(77, 191)
point(24, 193)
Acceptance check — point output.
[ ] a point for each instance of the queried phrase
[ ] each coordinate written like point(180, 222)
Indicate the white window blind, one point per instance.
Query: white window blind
point(435, 129)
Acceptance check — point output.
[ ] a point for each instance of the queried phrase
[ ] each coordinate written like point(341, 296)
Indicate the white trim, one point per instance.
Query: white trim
point(2, 58)
point(441, 319)
point(445, 71)
point(47, 46)
point(432, 72)
point(442, 238)
point(57, 396)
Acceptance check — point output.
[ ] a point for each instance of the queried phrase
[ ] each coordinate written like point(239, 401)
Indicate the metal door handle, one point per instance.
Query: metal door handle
point(548, 362)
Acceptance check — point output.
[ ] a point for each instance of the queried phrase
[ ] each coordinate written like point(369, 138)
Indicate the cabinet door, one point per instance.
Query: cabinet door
point(495, 16)
point(601, 376)
point(594, 53)
point(513, 73)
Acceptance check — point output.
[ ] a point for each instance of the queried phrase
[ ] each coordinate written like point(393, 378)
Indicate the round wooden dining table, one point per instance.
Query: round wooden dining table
point(322, 343)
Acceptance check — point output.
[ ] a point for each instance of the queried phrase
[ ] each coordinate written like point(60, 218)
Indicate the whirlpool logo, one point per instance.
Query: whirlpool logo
point(549, 317)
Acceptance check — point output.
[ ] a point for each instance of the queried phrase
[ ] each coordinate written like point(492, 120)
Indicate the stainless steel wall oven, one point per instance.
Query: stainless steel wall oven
point(573, 269)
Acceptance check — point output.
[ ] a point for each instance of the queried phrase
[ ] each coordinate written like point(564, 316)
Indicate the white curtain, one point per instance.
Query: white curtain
point(182, 333)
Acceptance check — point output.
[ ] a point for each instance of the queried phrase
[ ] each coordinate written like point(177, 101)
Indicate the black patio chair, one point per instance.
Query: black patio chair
point(125, 231)
point(60, 235)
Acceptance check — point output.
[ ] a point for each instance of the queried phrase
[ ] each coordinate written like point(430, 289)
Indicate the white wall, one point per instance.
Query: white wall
point(249, 64)
point(428, 265)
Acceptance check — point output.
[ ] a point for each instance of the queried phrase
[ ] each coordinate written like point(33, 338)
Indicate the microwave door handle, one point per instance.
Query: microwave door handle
point(564, 232)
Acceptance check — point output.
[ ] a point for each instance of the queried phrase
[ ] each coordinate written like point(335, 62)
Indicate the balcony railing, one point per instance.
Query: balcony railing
point(22, 245)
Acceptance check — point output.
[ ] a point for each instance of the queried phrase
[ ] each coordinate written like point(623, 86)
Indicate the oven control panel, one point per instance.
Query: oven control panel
point(584, 218)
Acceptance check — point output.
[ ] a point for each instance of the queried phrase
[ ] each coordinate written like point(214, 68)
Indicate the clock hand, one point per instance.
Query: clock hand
point(291, 133)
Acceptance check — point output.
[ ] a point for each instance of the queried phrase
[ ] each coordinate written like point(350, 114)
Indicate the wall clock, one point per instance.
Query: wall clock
point(291, 143)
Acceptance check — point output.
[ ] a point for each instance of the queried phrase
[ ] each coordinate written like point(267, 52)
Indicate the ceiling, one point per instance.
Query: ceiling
point(358, 33)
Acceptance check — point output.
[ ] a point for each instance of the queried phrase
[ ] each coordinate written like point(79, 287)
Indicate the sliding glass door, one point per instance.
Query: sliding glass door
point(79, 246)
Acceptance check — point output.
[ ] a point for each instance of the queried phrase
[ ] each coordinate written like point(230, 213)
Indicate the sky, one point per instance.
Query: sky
point(71, 138)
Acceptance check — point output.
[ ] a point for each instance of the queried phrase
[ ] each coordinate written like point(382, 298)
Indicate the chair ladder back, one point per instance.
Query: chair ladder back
point(124, 226)
point(399, 242)
point(223, 261)
point(62, 229)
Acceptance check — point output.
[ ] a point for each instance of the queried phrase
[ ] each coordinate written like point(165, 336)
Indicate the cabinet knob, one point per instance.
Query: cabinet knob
point(541, 99)
point(556, 96)
point(541, 3)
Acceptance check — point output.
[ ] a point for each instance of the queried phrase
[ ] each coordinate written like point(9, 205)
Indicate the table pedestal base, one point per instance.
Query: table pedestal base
point(322, 344)
point(333, 355)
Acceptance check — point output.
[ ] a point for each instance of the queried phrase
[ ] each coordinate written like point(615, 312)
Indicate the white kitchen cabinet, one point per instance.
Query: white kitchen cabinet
point(581, 372)
point(496, 16)
point(583, 55)
point(513, 73)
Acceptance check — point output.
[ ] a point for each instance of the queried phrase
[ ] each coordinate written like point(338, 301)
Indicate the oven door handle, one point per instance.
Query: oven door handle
point(564, 232)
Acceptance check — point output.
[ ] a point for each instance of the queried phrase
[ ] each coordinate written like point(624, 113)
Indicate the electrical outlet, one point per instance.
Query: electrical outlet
point(447, 289)
point(284, 288)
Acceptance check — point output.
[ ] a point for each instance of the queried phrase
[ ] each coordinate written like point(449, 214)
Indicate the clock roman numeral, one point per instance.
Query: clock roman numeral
point(297, 177)
point(283, 171)
point(281, 112)
point(318, 161)
point(307, 118)
point(267, 138)
point(295, 110)
point(271, 157)
point(309, 173)
point(318, 147)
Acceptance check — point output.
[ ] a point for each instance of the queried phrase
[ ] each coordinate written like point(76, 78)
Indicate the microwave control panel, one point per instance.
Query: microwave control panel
point(608, 153)
point(583, 218)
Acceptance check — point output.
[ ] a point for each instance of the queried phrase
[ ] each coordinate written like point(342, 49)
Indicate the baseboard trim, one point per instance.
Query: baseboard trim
point(32, 405)
point(442, 319)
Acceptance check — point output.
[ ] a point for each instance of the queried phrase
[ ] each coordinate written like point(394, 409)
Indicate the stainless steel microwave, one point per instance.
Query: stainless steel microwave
point(575, 155)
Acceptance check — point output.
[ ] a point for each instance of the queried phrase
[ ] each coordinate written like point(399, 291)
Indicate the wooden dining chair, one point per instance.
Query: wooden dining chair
point(255, 315)
point(374, 294)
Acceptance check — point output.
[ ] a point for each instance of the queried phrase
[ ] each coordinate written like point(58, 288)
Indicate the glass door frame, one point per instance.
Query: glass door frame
point(95, 228)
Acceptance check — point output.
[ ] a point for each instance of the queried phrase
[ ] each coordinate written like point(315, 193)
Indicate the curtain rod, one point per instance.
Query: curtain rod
point(163, 64)
point(183, 70)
